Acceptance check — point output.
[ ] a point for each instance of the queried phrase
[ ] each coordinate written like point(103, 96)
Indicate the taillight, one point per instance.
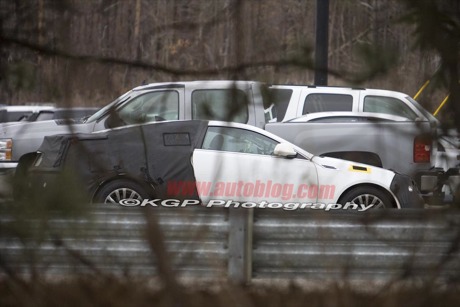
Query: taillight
point(6, 146)
point(422, 149)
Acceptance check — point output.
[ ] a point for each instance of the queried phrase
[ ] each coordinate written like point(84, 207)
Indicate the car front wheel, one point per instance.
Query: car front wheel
point(368, 196)
point(115, 191)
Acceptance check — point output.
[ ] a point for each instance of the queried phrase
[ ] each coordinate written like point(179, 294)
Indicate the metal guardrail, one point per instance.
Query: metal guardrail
point(379, 245)
point(239, 243)
point(112, 240)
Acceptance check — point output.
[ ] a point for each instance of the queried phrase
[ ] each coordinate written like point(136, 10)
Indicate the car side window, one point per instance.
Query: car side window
point(327, 103)
point(238, 140)
point(45, 116)
point(388, 105)
point(220, 104)
point(151, 107)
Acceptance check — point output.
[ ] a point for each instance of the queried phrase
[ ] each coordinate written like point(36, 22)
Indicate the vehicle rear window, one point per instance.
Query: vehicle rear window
point(388, 105)
point(327, 103)
point(220, 104)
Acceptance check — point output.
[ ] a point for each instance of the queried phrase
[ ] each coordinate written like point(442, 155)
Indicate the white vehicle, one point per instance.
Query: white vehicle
point(219, 100)
point(222, 161)
point(295, 100)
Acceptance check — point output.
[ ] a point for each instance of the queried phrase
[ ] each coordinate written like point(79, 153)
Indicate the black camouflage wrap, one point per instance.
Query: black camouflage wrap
point(151, 154)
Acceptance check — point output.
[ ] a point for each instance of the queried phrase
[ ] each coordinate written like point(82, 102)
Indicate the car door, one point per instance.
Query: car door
point(238, 164)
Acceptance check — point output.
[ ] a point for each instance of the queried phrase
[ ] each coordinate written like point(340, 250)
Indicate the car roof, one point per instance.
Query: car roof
point(198, 83)
point(338, 89)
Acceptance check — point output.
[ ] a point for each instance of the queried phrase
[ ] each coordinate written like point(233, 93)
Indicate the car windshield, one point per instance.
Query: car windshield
point(106, 109)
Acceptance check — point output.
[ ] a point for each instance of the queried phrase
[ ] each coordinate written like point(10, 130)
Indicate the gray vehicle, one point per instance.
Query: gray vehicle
point(75, 113)
point(239, 101)
point(248, 102)
point(388, 141)
point(19, 113)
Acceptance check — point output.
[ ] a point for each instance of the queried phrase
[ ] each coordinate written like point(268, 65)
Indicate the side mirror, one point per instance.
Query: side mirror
point(284, 150)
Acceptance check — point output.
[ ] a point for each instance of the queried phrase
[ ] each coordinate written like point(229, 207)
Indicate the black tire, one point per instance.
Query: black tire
point(368, 195)
point(20, 181)
point(116, 190)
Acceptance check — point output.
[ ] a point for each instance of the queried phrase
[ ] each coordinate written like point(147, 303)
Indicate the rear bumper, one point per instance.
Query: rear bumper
point(7, 170)
point(438, 187)
point(428, 181)
point(7, 167)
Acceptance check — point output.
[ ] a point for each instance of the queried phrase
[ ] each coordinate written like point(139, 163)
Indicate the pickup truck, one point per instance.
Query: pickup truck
point(238, 101)
point(246, 102)
point(427, 154)
point(292, 101)
point(371, 138)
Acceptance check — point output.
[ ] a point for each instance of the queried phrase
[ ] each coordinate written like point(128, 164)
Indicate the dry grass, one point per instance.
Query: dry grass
point(93, 291)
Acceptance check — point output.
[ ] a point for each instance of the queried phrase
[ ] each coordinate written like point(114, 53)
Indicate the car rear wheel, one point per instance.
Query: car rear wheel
point(368, 196)
point(115, 191)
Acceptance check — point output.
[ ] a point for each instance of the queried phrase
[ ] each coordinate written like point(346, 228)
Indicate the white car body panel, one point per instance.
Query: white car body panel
point(221, 166)
point(255, 170)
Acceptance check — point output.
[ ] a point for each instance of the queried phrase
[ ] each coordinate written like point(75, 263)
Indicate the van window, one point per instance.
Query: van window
point(327, 103)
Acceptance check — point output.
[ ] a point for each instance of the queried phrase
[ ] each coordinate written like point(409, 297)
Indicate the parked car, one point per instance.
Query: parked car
point(292, 101)
point(209, 160)
point(18, 113)
point(243, 102)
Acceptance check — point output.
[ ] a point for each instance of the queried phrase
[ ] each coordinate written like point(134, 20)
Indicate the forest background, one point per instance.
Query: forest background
point(73, 52)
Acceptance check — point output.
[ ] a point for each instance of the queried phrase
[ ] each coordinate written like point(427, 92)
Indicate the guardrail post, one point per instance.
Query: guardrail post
point(240, 245)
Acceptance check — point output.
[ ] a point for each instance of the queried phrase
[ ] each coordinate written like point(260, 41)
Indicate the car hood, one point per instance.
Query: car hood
point(13, 124)
point(353, 167)
point(41, 128)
